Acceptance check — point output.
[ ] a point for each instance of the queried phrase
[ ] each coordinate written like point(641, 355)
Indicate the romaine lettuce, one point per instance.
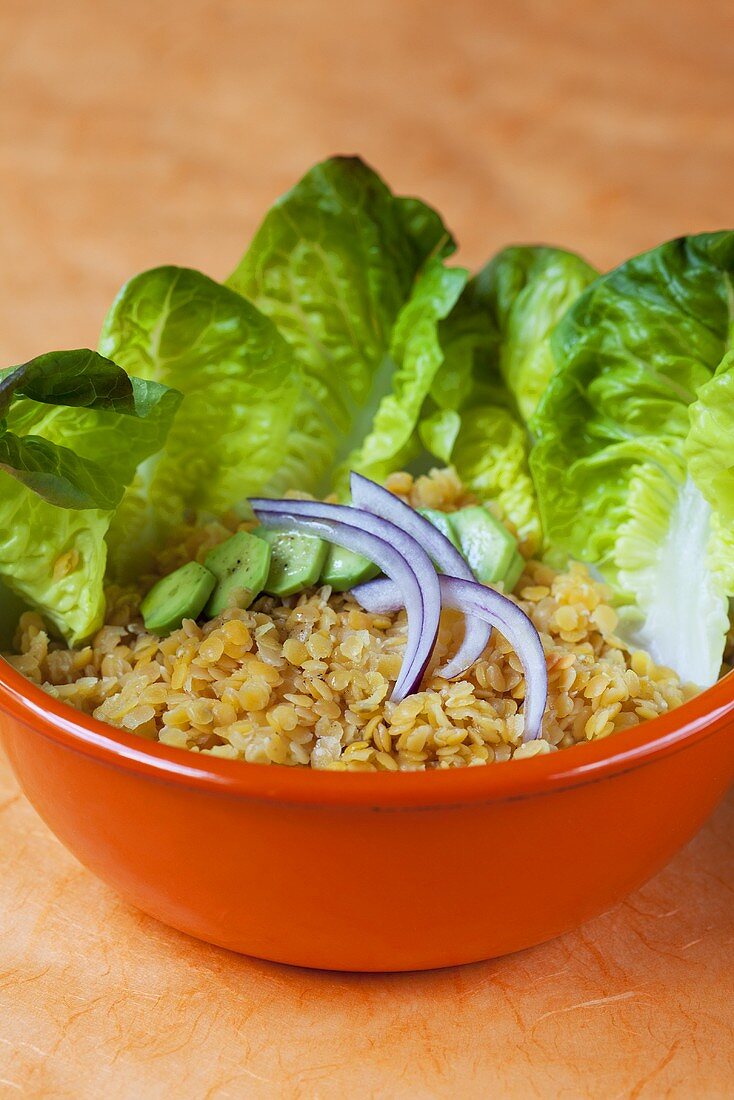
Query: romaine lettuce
point(526, 290)
point(491, 458)
point(415, 356)
point(74, 429)
point(344, 341)
point(11, 608)
point(334, 263)
point(240, 383)
point(635, 437)
point(470, 344)
point(710, 442)
point(471, 419)
point(496, 363)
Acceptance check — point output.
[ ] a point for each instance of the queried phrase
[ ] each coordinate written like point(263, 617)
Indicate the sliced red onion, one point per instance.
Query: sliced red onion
point(367, 494)
point(379, 596)
point(474, 599)
point(398, 555)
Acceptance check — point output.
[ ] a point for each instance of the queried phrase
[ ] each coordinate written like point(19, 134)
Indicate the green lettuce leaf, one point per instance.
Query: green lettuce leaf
point(628, 434)
point(471, 419)
point(470, 343)
point(78, 379)
point(240, 384)
point(490, 456)
point(11, 609)
point(54, 559)
point(333, 264)
point(63, 471)
point(98, 431)
point(438, 431)
point(709, 448)
point(416, 356)
point(422, 225)
point(56, 474)
point(526, 290)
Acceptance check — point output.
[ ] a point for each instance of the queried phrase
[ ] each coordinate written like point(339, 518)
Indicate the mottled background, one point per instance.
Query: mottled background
point(135, 133)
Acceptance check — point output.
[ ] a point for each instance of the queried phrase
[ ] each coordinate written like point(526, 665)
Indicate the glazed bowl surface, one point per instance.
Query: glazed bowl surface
point(379, 872)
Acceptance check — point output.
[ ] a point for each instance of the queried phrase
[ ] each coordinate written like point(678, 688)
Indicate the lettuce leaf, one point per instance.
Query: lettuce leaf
point(11, 609)
point(470, 343)
point(526, 290)
point(471, 420)
point(176, 326)
point(74, 430)
point(54, 559)
point(709, 446)
point(56, 474)
point(416, 356)
point(491, 458)
point(76, 379)
point(334, 263)
point(629, 433)
point(497, 363)
point(438, 431)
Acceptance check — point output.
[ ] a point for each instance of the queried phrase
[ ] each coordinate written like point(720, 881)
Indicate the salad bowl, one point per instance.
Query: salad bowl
point(378, 872)
point(291, 755)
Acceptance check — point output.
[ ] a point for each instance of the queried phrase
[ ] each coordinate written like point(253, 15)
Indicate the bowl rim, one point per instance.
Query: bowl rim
point(698, 718)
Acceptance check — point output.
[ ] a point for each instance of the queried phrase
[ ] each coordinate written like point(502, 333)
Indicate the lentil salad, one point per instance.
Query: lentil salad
point(195, 544)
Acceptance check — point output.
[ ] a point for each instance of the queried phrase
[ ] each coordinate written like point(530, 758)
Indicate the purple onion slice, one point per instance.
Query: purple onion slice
point(398, 555)
point(474, 599)
point(379, 596)
point(372, 497)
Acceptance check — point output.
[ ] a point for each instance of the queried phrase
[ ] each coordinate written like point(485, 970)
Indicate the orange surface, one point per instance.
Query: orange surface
point(142, 133)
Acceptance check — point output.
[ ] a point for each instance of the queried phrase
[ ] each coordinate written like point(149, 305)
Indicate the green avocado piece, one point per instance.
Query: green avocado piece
point(241, 565)
point(343, 569)
point(441, 521)
point(181, 595)
point(296, 560)
point(485, 543)
point(514, 571)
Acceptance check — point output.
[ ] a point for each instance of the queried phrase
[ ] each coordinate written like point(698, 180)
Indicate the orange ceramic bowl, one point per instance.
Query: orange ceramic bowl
point(382, 871)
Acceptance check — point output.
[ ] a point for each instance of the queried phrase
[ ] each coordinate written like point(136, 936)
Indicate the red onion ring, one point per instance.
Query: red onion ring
point(474, 599)
point(372, 497)
point(398, 555)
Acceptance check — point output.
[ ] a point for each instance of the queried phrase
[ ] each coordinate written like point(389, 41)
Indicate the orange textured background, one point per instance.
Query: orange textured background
point(135, 133)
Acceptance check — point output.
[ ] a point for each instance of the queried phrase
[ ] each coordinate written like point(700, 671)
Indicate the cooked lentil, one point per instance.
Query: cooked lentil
point(305, 680)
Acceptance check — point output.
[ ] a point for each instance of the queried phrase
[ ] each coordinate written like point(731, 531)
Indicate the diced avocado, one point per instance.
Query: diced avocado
point(514, 571)
point(441, 521)
point(296, 560)
point(485, 543)
point(343, 569)
point(181, 595)
point(240, 564)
